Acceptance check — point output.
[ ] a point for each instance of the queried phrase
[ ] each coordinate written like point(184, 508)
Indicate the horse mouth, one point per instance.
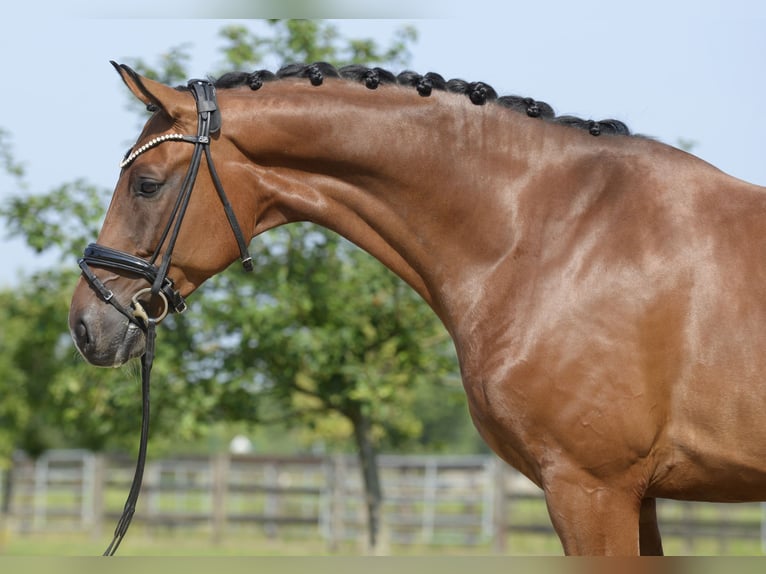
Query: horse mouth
point(131, 347)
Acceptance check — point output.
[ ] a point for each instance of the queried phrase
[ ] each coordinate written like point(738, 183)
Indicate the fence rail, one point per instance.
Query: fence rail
point(429, 500)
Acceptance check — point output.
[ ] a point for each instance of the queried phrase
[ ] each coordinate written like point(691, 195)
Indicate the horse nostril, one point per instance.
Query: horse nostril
point(81, 334)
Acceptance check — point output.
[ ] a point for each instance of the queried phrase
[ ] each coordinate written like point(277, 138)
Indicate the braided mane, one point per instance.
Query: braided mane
point(479, 93)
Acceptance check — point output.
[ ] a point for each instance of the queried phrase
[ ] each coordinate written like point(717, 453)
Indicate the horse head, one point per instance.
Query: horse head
point(157, 245)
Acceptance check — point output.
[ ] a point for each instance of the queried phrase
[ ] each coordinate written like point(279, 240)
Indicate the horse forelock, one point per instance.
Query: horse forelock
point(479, 93)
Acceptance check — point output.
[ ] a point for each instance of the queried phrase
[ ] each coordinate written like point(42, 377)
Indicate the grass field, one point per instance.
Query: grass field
point(141, 542)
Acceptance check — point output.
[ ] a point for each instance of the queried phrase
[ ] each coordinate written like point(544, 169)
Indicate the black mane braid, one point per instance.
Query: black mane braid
point(478, 93)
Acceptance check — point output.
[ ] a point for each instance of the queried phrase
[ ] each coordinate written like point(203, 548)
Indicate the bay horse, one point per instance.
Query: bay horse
point(605, 292)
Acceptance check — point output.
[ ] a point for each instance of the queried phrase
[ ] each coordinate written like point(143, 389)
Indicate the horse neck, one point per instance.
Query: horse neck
point(429, 186)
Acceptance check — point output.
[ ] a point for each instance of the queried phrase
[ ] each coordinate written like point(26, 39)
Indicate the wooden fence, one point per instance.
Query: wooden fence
point(429, 500)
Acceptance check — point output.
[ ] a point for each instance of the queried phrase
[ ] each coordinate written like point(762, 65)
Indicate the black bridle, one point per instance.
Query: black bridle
point(161, 286)
point(209, 121)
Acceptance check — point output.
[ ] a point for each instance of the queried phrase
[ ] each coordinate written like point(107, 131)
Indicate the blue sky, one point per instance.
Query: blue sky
point(692, 70)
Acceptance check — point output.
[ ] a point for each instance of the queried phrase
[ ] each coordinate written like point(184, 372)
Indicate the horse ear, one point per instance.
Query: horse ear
point(152, 93)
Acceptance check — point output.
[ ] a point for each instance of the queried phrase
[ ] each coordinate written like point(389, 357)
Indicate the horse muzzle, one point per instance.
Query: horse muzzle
point(103, 336)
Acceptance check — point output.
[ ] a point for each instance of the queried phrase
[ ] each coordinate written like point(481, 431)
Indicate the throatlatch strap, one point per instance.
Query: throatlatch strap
point(244, 253)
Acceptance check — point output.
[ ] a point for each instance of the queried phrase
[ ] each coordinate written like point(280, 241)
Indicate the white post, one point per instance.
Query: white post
point(40, 492)
point(763, 527)
point(431, 480)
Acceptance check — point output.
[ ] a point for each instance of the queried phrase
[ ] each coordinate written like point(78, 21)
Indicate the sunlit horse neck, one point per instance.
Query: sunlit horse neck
point(433, 186)
point(605, 293)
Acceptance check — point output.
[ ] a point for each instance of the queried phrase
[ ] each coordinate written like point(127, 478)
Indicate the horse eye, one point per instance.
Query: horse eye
point(149, 187)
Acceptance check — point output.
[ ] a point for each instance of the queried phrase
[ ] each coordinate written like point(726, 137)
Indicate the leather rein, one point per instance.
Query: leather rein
point(162, 288)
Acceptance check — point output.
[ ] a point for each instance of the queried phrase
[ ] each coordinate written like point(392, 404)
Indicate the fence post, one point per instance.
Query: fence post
point(763, 527)
point(500, 507)
point(40, 495)
point(5, 505)
point(271, 498)
point(687, 514)
point(336, 479)
point(220, 482)
point(99, 488)
point(430, 487)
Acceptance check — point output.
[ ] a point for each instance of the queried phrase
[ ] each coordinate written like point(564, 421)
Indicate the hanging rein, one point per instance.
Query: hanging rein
point(162, 288)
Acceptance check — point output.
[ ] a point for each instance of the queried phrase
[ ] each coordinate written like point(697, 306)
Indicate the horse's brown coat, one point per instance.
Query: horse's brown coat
point(606, 295)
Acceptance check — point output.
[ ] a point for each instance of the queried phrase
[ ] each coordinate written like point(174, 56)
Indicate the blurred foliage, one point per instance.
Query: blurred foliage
point(66, 218)
point(310, 41)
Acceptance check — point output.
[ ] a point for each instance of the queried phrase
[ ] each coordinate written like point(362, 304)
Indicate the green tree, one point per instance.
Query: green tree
point(310, 41)
point(14, 411)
